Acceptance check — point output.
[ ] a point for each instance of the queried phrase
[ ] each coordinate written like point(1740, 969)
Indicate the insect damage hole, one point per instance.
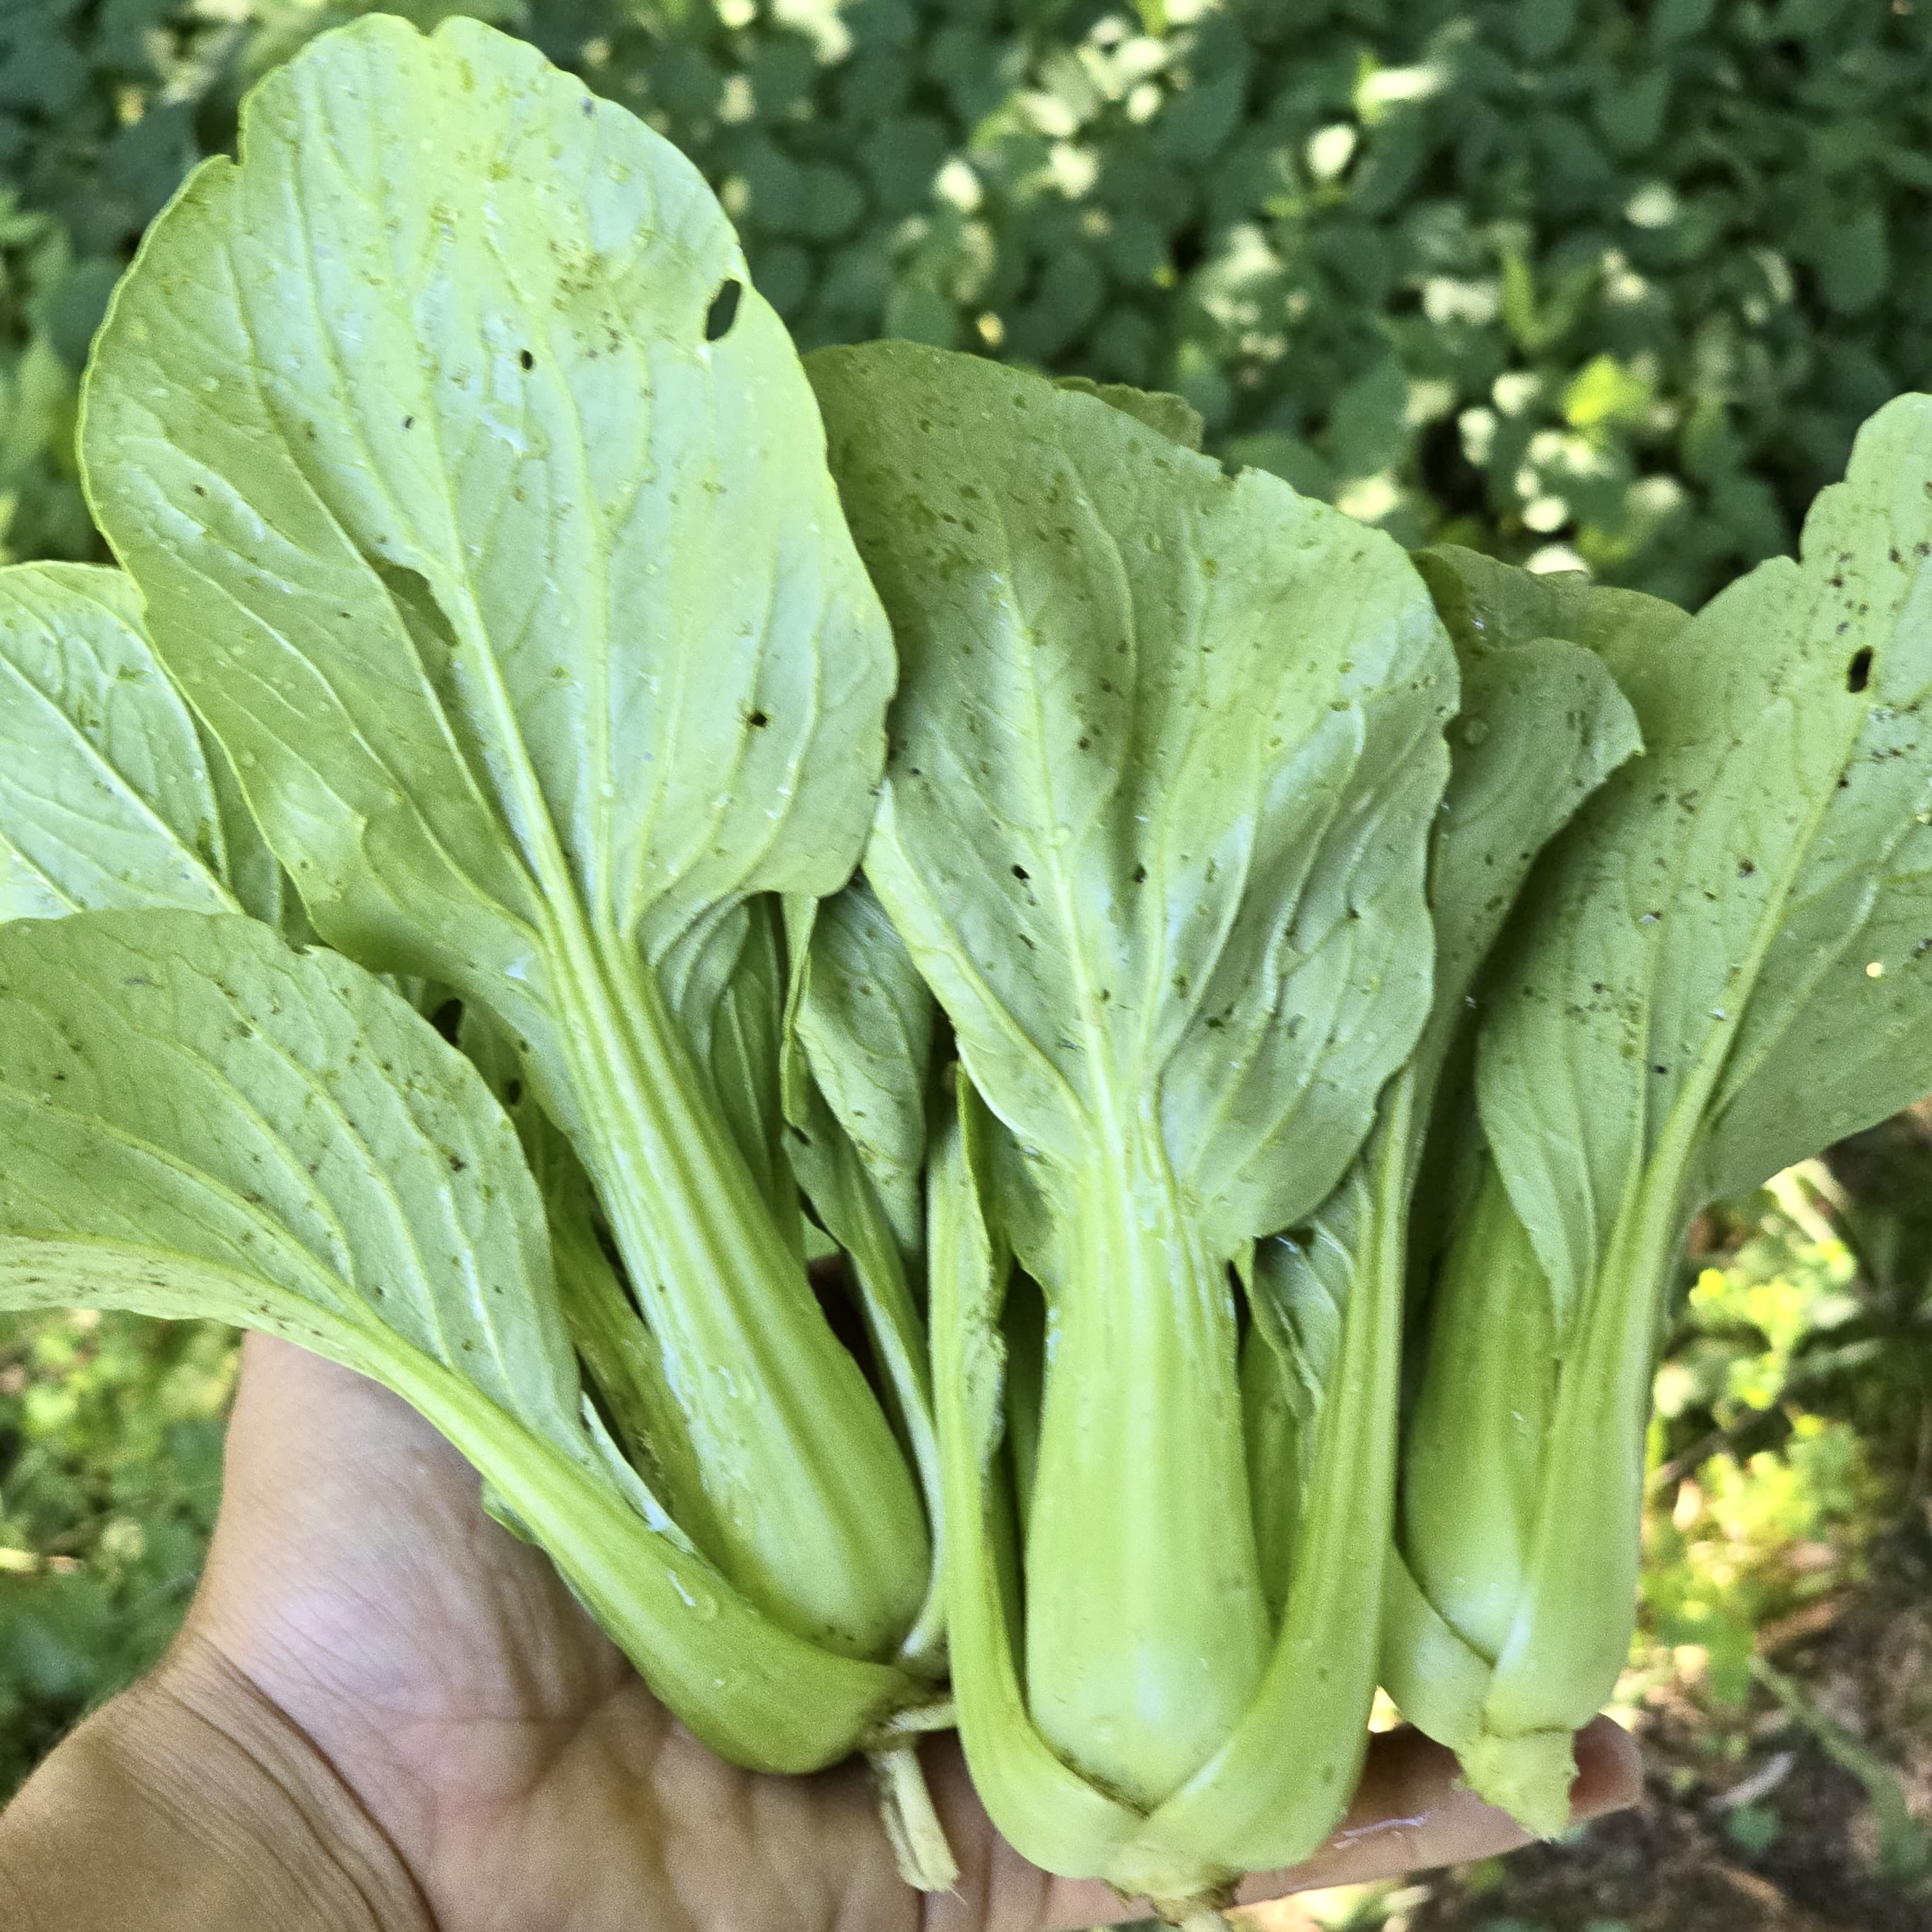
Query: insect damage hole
point(1858, 673)
point(723, 311)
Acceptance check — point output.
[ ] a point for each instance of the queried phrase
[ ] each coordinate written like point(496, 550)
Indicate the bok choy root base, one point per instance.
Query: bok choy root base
point(579, 861)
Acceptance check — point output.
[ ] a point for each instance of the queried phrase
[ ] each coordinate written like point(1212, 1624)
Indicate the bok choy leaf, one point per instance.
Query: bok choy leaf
point(1165, 750)
point(479, 506)
point(1721, 965)
point(111, 795)
point(200, 1121)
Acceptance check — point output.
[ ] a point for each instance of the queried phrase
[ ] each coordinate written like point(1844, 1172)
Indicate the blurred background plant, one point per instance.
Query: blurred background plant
point(1595, 283)
point(1577, 280)
point(110, 1469)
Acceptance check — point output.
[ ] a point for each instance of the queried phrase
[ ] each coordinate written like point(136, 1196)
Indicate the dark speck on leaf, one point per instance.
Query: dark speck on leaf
point(759, 720)
point(1858, 673)
point(1140, 875)
point(723, 311)
point(525, 359)
point(1020, 873)
point(409, 422)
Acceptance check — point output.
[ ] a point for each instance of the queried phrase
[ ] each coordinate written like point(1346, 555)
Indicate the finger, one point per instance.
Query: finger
point(1411, 1811)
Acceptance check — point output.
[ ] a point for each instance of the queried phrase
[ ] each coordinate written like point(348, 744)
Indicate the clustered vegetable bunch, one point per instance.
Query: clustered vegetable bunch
point(580, 863)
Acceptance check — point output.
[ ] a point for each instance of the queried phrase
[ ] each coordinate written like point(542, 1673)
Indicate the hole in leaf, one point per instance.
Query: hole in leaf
point(1858, 673)
point(447, 1018)
point(723, 311)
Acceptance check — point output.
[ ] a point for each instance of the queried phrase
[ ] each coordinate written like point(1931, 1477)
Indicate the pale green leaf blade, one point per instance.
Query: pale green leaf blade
point(504, 584)
point(1853, 1046)
point(190, 1085)
point(1166, 414)
point(107, 798)
point(1155, 809)
point(1542, 724)
point(1489, 605)
point(1838, 1032)
point(254, 873)
point(1786, 758)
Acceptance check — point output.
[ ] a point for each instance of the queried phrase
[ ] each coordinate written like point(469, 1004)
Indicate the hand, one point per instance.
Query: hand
point(431, 1673)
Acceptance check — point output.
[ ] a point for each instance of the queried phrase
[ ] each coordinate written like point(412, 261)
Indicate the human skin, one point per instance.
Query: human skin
point(386, 1715)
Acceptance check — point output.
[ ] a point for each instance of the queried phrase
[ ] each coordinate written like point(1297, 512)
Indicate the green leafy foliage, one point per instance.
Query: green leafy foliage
point(111, 795)
point(110, 1470)
point(1785, 1427)
point(1572, 281)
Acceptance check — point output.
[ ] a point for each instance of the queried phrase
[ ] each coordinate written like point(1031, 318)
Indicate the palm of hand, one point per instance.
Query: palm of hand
point(520, 1771)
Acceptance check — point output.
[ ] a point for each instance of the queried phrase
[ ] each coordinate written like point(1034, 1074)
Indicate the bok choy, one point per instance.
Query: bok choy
point(481, 553)
point(1166, 750)
point(981, 1069)
point(1719, 967)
